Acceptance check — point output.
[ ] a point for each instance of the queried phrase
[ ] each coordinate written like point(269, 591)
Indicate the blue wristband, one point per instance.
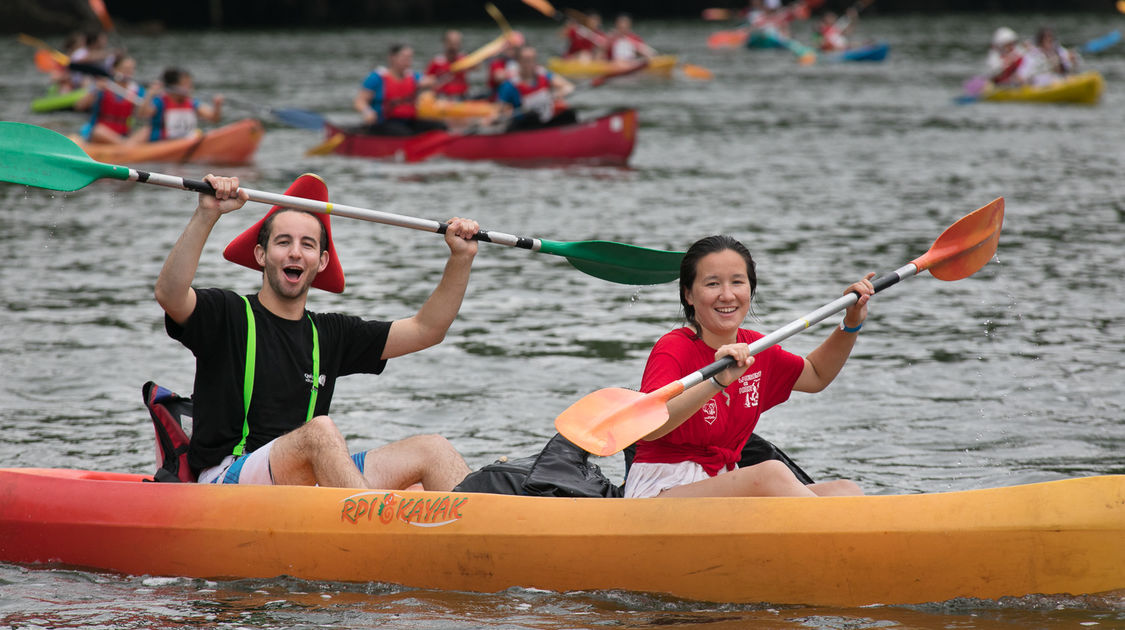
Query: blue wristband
point(850, 330)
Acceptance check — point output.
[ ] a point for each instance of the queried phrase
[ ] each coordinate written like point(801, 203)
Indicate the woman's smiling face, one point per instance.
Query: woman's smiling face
point(720, 293)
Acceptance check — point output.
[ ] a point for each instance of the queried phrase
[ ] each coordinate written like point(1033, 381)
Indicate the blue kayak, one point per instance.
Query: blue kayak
point(869, 52)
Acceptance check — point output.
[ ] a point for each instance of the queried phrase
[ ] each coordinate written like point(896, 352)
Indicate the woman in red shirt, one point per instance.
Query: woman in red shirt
point(695, 453)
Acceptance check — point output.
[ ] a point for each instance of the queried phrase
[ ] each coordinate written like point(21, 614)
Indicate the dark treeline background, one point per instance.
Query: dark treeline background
point(57, 16)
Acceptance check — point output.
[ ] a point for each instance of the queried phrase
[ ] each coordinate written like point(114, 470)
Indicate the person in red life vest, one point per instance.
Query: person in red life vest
point(623, 43)
point(534, 96)
point(504, 66)
point(176, 112)
point(1007, 63)
point(834, 30)
point(584, 40)
point(262, 417)
point(386, 98)
point(695, 453)
point(448, 84)
point(115, 106)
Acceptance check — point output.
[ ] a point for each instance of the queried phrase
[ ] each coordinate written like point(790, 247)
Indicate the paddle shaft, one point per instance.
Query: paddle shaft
point(798, 325)
point(353, 212)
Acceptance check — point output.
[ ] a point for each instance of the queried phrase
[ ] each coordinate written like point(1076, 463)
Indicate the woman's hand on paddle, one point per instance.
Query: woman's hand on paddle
point(741, 353)
point(228, 196)
point(459, 237)
point(857, 313)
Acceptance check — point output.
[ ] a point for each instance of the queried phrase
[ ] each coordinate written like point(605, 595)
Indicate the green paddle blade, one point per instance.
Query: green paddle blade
point(34, 156)
point(618, 262)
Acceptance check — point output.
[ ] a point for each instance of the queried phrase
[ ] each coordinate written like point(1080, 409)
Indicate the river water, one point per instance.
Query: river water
point(826, 172)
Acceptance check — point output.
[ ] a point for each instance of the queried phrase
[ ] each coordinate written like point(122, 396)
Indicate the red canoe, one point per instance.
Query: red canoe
point(605, 140)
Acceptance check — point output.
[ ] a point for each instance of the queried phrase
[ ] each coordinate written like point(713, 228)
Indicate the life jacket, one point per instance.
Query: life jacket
point(395, 98)
point(536, 96)
point(168, 411)
point(500, 70)
point(619, 44)
point(831, 38)
point(114, 111)
point(452, 83)
point(178, 118)
point(578, 42)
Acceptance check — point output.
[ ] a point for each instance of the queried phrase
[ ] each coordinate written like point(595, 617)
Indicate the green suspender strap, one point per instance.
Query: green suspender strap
point(248, 376)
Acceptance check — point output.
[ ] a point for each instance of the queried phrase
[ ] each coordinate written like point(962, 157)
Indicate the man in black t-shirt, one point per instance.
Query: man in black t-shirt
point(266, 367)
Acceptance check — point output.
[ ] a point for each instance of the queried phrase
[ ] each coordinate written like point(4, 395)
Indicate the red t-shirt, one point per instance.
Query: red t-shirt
point(715, 435)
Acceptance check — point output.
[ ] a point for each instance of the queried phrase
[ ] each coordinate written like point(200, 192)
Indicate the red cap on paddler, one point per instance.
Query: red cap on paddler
point(309, 186)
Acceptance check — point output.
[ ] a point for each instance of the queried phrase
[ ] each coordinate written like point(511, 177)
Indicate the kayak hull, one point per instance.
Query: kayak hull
point(230, 144)
point(660, 65)
point(870, 52)
point(54, 102)
point(606, 140)
point(1056, 537)
point(1085, 89)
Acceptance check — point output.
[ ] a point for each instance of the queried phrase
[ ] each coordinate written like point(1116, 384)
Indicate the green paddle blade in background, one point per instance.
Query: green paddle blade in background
point(39, 157)
point(618, 262)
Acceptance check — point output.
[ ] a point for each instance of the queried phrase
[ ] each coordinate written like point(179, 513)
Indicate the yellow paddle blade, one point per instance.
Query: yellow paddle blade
point(541, 6)
point(1121, 5)
point(491, 49)
point(699, 72)
point(966, 246)
point(328, 146)
point(498, 17)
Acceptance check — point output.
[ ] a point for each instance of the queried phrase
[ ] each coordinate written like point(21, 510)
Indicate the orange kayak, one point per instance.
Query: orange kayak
point(230, 144)
point(1055, 537)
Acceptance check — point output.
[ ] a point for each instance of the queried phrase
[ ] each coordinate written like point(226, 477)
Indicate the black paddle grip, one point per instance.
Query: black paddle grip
point(199, 186)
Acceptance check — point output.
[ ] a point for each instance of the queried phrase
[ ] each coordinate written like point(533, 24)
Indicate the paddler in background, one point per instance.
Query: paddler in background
point(534, 96)
point(1006, 58)
point(583, 39)
point(1049, 60)
point(448, 84)
point(116, 106)
point(386, 98)
point(176, 112)
point(834, 30)
point(504, 66)
point(624, 44)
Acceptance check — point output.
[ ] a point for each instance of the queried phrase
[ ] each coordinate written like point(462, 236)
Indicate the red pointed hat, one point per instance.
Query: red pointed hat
point(309, 186)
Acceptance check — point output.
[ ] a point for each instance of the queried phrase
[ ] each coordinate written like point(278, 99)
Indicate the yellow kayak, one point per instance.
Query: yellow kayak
point(661, 65)
point(1055, 537)
point(1085, 88)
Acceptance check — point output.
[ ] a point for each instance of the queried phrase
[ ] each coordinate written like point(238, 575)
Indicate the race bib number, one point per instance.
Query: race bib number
point(179, 123)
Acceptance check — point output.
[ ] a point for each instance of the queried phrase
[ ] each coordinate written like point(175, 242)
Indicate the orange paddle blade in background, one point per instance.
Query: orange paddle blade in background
point(731, 39)
point(693, 71)
point(715, 14)
point(46, 62)
point(98, 7)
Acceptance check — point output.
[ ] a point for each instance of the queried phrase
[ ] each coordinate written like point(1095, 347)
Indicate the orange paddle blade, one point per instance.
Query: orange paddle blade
point(1121, 5)
point(46, 62)
point(966, 246)
point(541, 6)
point(807, 59)
point(608, 420)
point(697, 72)
point(731, 39)
point(713, 14)
point(98, 7)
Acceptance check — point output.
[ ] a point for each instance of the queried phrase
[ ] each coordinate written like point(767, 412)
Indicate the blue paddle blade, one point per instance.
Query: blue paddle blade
point(34, 156)
point(299, 118)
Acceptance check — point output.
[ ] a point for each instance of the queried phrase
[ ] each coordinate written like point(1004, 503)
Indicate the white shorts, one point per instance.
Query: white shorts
point(253, 468)
point(648, 480)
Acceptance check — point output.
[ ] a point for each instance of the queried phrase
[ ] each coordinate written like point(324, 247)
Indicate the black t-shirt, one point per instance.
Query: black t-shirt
point(216, 335)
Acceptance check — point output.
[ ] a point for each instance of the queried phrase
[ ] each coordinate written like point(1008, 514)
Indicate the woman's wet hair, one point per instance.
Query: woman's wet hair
point(690, 264)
